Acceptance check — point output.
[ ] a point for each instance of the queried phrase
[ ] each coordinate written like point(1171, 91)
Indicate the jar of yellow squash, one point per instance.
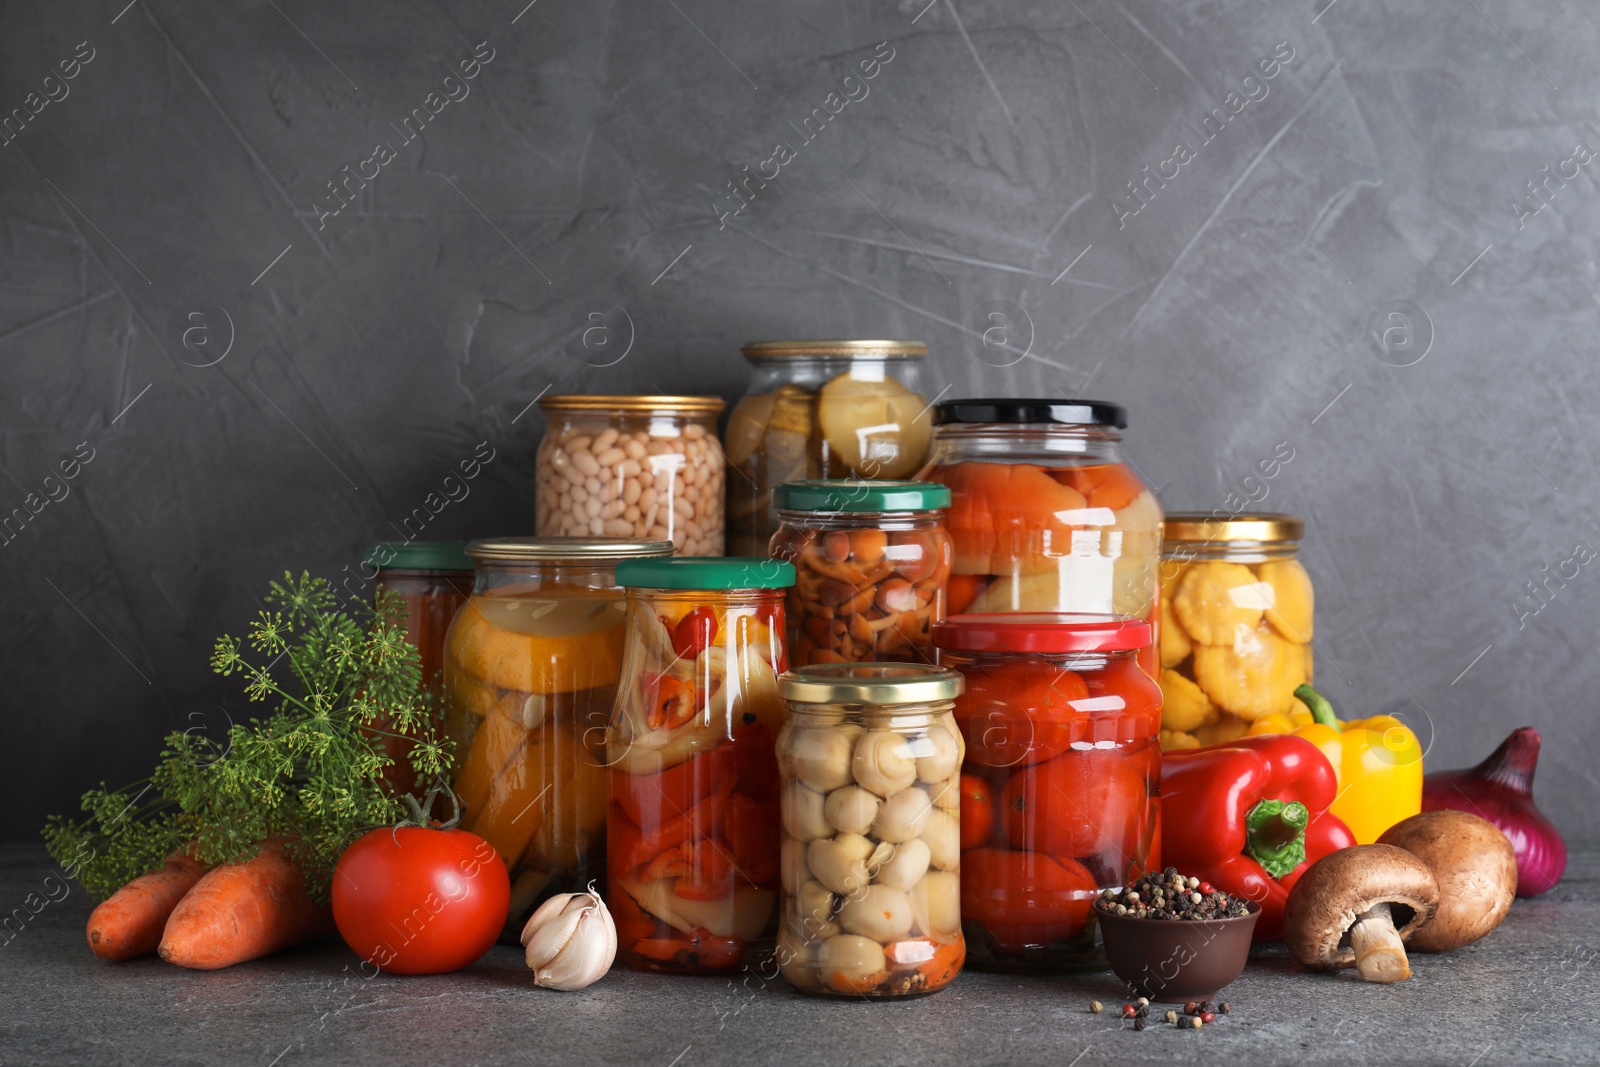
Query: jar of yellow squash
point(1236, 628)
point(530, 672)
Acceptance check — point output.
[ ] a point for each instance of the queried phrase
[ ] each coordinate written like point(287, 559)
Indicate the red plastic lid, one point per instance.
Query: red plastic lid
point(1045, 631)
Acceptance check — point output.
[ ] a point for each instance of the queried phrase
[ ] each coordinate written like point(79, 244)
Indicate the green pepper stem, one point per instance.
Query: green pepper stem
point(1275, 835)
point(1321, 710)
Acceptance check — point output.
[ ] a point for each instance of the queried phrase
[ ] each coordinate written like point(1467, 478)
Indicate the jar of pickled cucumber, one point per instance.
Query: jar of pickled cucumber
point(632, 466)
point(692, 831)
point(1236, 628)
point(530, 670)
point(432, 580)
point(871, 560)
point(820, 409)
point(871, 853)
point(1061, 783)
point(1045, 514)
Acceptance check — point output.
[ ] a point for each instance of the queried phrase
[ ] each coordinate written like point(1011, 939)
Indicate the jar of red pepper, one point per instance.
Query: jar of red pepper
point(432, 579)
point(693, 827)
point(1060, 785)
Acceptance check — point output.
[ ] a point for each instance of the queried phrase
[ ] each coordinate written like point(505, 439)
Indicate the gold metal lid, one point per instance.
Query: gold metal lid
point(1208, 527)
point(869, 683)
point(853, 349)
point(564, 549)
point(681, 405)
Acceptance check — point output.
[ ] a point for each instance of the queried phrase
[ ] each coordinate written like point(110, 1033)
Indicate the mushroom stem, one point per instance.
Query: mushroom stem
point(1380, 954)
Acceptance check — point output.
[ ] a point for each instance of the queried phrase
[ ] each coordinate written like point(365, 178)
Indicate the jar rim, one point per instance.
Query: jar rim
point(1040, 632)
point(564, 549)
point(761, 350)
point(706, 573)
point(680, 405)
point(1260, 527)
point(418, 556)
point(870, 683)
point(1012, 411)
point(859, 495)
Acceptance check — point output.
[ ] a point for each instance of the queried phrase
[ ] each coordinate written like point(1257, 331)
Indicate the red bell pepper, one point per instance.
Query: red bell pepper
point(1249, 816)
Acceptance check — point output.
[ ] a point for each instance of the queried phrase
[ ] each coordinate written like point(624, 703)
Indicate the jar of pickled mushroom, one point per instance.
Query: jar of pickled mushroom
point(1060, 788)
point(646, 467)
point(432, 579)
point(1044, 513)
point(821, 409)
point(531, 671)
point(871, 560)
point(693, 824)
point(871, 856)
point(1236, 628)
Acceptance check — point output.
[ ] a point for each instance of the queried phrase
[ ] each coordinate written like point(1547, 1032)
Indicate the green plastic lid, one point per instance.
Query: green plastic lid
point(854, 495)
point(417, 556)
point(706, 572)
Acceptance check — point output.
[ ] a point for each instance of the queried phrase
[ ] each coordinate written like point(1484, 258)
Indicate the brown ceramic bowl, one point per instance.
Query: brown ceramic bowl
point(1176, 960)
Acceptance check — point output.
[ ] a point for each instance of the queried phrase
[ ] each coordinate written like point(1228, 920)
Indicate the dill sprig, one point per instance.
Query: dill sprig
point(311, 772)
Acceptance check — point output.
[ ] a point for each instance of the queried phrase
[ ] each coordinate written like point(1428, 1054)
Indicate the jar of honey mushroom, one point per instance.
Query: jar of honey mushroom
point(871, 560)
point(1236, 628)
point(1045, 513)
point(432, 579)
point(531, 668)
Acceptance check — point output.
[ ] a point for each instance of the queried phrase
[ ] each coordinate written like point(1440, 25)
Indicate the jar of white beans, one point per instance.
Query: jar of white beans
point(645, 467)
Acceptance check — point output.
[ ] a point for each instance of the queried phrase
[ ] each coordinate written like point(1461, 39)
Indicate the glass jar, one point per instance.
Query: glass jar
point(1236, 628)
point(871, 560)
point(871, 854)
point(632, 466)
point(1060, 788)
point(1044, 513)
point(693, 824)
point(530, 674)
point(821, 409)
point(432, 579)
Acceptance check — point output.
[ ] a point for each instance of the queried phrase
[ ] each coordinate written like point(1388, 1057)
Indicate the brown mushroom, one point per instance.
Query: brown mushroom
point(1476, 869)
point(1356, 907)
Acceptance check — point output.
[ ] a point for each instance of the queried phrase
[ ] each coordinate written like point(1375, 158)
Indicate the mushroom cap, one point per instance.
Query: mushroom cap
point(1337, 889)
point(1476, 869)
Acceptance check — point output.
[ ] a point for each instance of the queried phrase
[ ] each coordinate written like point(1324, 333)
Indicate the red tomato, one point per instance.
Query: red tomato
point(417, 900)
point(694, 632)
point(1021, 714)
point(752, 831)
point(1025, 897)
point(977, 811)
point(1083, 803)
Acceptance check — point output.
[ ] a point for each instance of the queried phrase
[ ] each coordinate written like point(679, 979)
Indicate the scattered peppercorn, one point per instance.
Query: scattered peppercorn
point(1194, 1022)
point(1142, 1001)
point(1207, 1017)
point(1172, 1016)
point(1170, 895)
point(1129, 1011)
point(1190, 1007)
point(1095, 1007)
point(1222, 1009)
point(1139, 1023)
point(1203, 1007)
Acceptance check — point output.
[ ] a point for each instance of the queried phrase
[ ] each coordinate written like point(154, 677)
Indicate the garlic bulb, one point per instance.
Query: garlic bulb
point(570, 940)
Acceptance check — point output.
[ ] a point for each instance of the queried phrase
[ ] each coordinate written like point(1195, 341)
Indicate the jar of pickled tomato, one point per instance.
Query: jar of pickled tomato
point(1061, 782)
point(871, 854)
point(871, 561)
point(821, 409)
point(531, 667)
point(432, 579)
point(1044, 513)
point(1236, 628)
point(693, 823)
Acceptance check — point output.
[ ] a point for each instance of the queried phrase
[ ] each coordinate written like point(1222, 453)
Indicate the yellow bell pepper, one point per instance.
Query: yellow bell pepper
point(1378, 762)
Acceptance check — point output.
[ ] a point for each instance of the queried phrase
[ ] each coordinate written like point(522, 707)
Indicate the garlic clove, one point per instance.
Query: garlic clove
point(570, 941)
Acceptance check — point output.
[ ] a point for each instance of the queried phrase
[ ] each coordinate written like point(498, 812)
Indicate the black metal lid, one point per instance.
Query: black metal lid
point(1039, 409)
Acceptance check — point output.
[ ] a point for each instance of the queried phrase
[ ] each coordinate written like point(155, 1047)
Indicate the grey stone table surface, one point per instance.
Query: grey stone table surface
point(1528, 993)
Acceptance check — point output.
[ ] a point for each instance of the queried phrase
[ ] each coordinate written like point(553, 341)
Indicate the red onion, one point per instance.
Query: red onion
point(1500, 789)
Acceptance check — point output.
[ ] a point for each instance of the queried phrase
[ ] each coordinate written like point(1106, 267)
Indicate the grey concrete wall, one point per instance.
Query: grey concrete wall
point(265, 384)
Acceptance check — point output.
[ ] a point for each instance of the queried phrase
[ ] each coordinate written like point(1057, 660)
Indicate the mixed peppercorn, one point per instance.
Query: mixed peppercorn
point(1170, 895)
point(1195, 1014)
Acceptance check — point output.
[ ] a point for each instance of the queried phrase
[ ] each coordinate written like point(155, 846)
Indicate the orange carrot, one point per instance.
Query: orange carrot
point(242, 911)
point(129, 922)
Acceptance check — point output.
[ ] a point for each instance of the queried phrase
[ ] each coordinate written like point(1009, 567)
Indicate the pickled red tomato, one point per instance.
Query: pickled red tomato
point(1021, 713)
point(1085, 803)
